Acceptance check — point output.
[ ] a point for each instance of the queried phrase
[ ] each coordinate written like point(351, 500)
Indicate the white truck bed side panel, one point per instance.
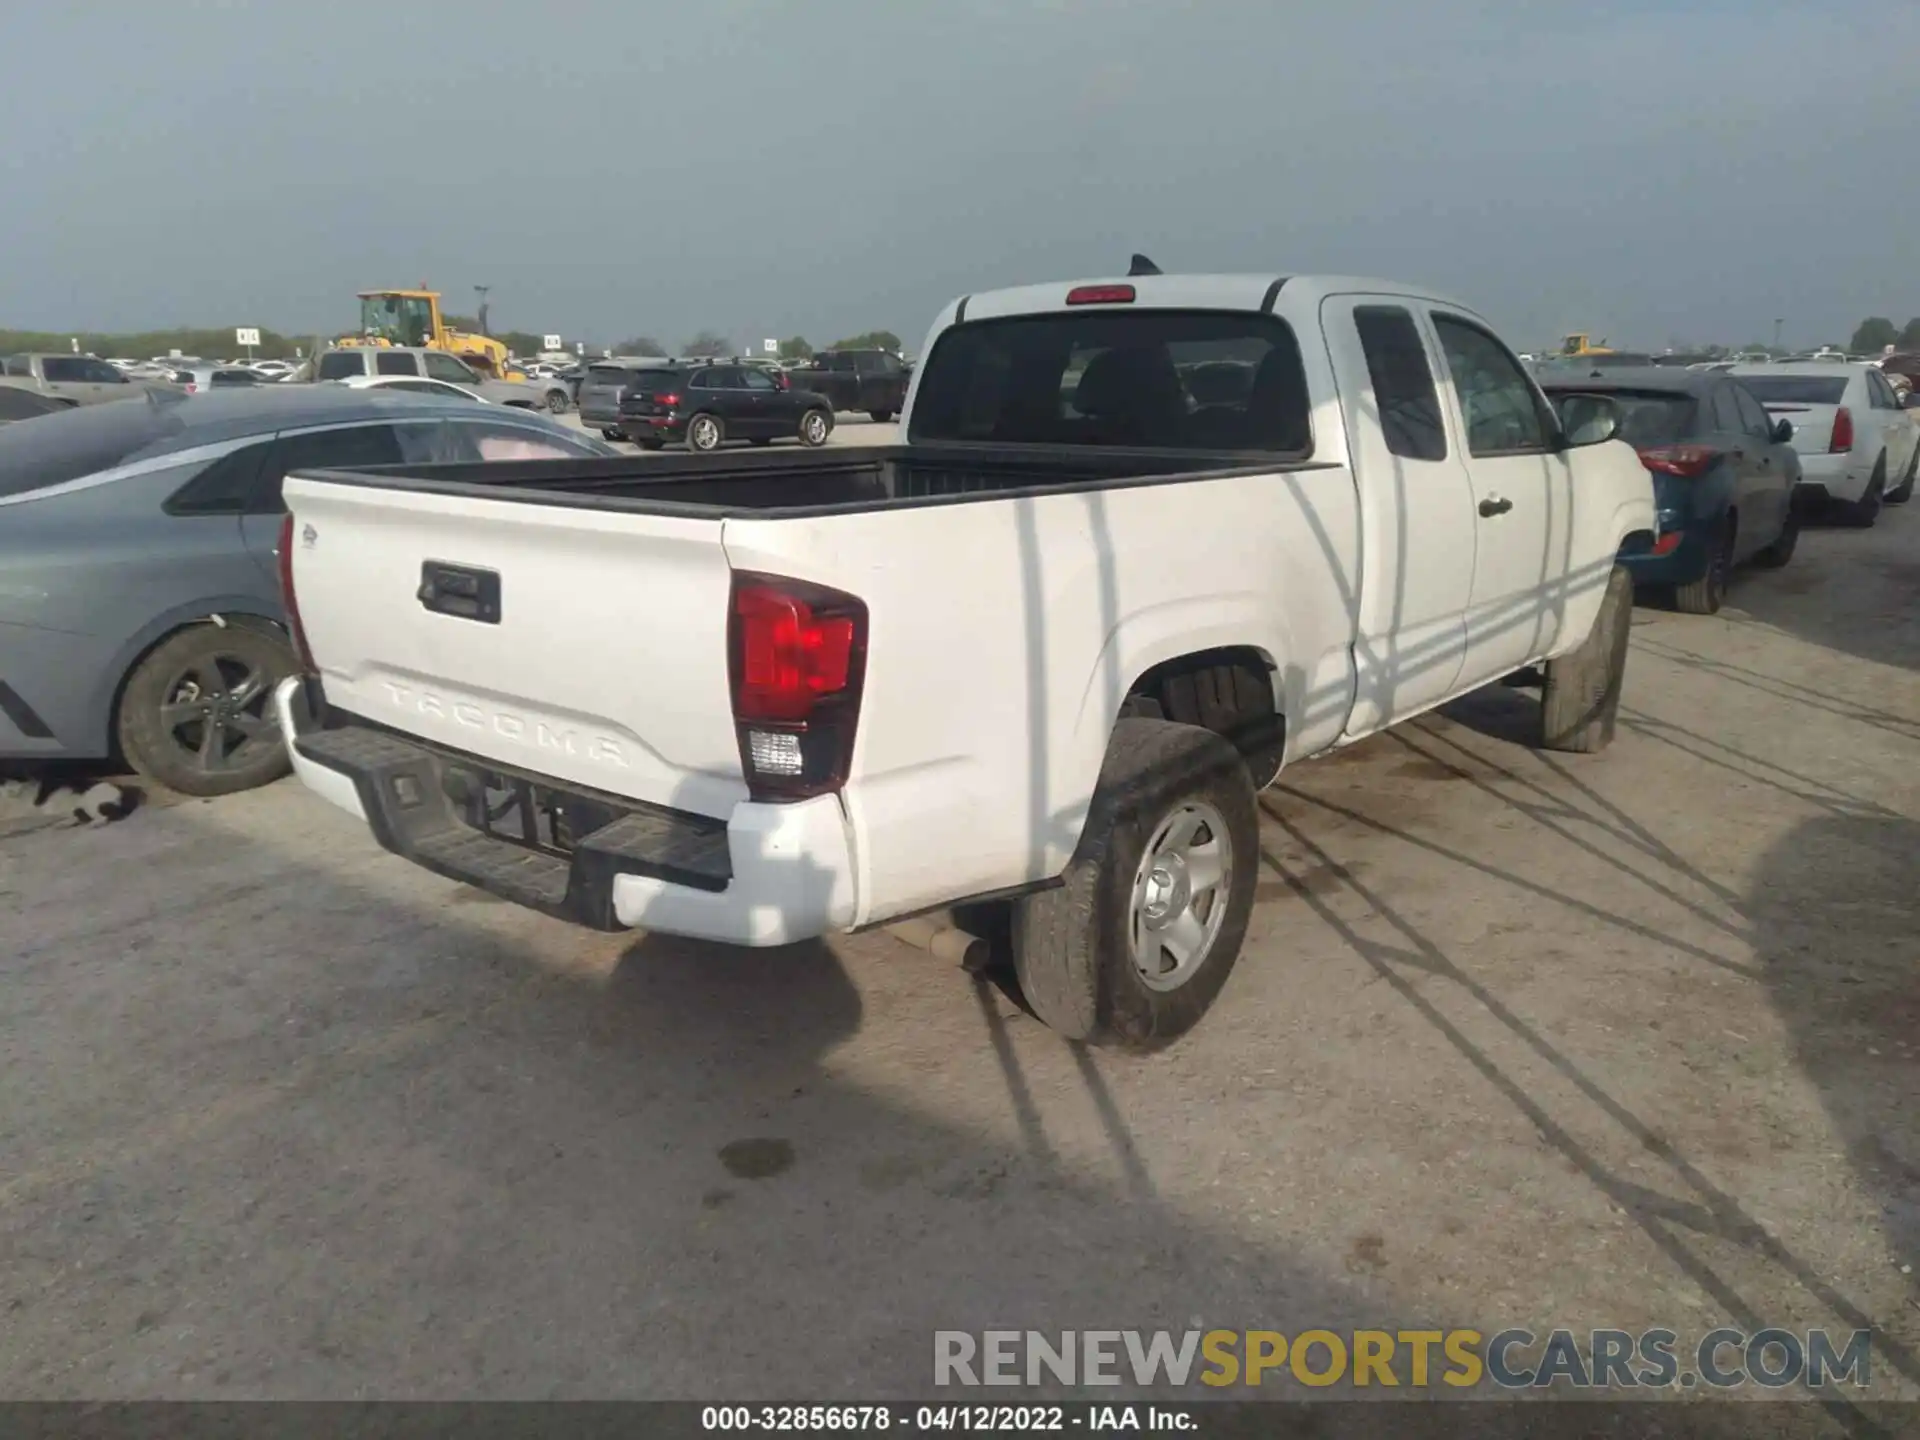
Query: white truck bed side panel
point(1004, 636)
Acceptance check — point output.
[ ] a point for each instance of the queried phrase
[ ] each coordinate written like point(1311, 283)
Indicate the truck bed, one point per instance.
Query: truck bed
point(808, 481)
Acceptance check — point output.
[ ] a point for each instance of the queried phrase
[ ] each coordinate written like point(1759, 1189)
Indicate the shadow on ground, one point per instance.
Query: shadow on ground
point(1853, 1010)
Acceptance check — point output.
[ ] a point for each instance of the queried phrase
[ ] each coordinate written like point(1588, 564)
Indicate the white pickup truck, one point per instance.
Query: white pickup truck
point(1147, 541)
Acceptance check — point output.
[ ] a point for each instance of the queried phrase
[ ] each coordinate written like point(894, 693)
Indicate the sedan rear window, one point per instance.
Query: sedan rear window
point(1796, 389)
point(651, 382)
point(1152, 379)
point(57, 448)
point(608, 374)
point(339, 364)
point(1646, 418)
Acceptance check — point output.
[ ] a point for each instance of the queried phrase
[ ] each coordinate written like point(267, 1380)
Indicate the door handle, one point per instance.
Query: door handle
point(1495, 505)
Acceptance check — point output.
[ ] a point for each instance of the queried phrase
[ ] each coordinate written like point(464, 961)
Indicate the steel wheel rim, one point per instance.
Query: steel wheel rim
point(219, 711)
point(704, 434)
point(1179, 899)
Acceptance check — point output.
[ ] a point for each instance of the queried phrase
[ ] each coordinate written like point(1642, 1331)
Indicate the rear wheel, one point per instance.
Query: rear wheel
point(557, 402)
point(1706, 595)
point(1135, 945)
point(815, 427)
point(1580, 696)
point(197, 713)
point(705, 432)
point(1781, 550)
point(1861, 513)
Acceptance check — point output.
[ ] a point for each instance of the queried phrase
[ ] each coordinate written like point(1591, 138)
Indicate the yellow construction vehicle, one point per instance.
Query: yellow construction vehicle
point(1578, 344)
point(412, 317)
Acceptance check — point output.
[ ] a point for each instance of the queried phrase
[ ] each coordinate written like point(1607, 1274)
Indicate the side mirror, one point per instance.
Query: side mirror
point(1588, 419)
point(1782, 431)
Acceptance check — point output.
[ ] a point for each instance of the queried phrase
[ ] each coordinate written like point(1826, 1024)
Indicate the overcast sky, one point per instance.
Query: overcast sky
point(1649, 170)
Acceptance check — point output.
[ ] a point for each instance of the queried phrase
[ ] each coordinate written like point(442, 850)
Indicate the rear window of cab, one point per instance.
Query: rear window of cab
point(1147, 379)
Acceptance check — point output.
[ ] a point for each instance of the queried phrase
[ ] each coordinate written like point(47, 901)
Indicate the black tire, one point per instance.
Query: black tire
point(1580, 696)
point(1860, 514)
point(815, 426)
point(881, 416)
point(1903, 492)
point(1706, 595)
point(1074, 946)
point(706, 433)
point(1781, 550)
point(650, 443)
point(196, 715)
point(556, 402)
point(607, 432)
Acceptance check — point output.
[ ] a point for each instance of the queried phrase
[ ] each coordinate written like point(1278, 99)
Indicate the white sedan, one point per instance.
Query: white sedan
point(1857, 444)
point(413, 385)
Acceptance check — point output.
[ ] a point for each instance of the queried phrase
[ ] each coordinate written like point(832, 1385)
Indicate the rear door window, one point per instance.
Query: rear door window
point(346, 448)
point(395, 362)
point(493, 440)
point(63, 369)
point(1752, 413)
point(340, 364)
point(1403, 386)
point(1118, 378)
point(1725, 411)
point(445, 367)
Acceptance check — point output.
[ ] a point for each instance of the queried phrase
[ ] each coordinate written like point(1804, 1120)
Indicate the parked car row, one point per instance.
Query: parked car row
point(1740, 456)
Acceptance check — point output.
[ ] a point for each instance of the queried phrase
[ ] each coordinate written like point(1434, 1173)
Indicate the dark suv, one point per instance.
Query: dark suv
point(708, 405)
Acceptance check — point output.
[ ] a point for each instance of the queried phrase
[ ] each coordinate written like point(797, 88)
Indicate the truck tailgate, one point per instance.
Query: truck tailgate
point(585, 644)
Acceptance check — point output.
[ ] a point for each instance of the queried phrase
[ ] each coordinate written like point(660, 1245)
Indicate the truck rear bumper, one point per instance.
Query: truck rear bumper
point(766, 875)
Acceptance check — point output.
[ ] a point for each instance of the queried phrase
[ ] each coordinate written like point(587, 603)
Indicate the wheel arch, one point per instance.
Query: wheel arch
point(243, 611)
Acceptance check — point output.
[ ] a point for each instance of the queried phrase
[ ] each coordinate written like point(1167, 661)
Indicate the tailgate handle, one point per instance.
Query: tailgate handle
point(462, 591)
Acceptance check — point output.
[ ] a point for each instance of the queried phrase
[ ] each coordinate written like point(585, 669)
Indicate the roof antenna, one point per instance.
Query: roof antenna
point(1142, 266)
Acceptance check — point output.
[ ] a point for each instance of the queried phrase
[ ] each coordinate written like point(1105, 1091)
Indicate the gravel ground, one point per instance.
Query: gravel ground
point(1517, 1039)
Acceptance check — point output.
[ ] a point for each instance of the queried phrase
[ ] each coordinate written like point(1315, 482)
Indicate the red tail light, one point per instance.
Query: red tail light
point(1689, 462)
point(1842, 432)
point(189, 387)
point(1669, 542)
point(1100, 295)
point(284, 553)
point(797, 661)
point(668, 400)
point(786, 380)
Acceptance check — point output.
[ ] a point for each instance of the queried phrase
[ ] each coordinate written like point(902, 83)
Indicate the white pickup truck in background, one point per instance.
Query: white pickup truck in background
point(1147, 541)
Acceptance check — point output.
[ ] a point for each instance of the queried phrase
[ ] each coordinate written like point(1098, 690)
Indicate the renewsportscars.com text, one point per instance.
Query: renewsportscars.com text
point(1507, 1359)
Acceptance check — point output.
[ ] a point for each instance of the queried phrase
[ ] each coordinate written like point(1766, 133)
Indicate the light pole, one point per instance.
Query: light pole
point(481, 317)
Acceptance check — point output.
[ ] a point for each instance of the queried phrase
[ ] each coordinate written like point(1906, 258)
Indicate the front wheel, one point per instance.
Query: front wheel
point(556, 402)
point(705, 432)
point(197, 713)
point(1580, 696)
point(814, 428)
point(1135, 944)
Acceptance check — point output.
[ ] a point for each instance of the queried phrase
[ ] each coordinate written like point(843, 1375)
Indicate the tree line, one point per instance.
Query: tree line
point(1876, 332)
